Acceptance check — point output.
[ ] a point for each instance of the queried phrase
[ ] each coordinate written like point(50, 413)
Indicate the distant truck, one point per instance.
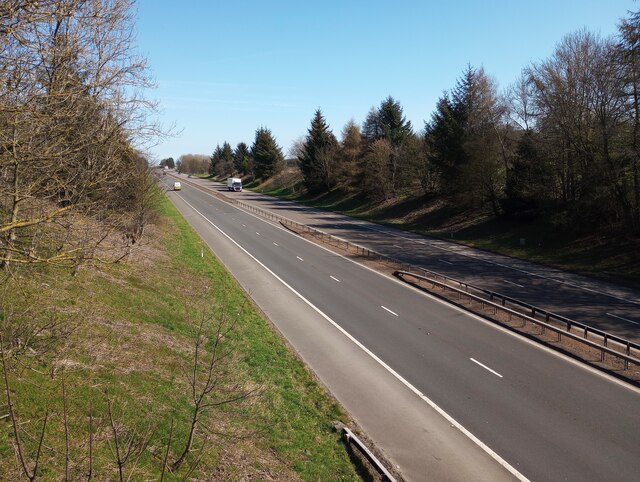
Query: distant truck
point(234, 184)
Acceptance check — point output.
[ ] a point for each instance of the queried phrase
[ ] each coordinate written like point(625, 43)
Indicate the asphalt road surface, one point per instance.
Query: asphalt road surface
point(599, 304)
point(537, 413)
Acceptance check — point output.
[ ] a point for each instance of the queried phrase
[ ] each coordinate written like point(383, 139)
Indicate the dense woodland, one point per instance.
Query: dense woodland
point(562, 142)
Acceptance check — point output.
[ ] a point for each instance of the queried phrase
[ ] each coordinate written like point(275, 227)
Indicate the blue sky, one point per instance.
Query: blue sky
point(225, 68)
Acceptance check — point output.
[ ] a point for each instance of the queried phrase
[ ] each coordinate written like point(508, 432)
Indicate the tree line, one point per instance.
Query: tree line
point(562, 141)
point(262, 159)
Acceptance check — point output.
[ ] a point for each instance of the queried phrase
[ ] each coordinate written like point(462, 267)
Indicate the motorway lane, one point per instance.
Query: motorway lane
point(598, 304)
point(540, 408)
point(414, 436)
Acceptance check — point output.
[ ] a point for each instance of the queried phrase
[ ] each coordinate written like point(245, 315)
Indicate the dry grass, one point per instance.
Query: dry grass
point(133, 326)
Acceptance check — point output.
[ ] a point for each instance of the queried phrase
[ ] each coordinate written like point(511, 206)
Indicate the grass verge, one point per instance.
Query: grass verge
point(134, 326)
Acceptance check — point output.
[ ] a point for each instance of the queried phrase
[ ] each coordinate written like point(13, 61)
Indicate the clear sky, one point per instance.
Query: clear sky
point(226, 67)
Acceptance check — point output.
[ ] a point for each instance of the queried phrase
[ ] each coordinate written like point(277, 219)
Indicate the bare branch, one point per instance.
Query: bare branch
point(90, 470)
point(66, 426)
point(166, 453)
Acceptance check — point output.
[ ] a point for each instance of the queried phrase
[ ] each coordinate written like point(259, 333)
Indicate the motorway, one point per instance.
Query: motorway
point(523, 407)
point(599, 304)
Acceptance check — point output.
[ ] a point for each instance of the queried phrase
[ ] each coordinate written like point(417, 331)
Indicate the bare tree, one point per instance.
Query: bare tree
point(30, 473)
point(376, 161)
point(69, 111)
point(193, 163)
point(350, 154)
point(296, 149)
point(128, 444)
point(520, 103)
point(208, 383)
point(584, 118)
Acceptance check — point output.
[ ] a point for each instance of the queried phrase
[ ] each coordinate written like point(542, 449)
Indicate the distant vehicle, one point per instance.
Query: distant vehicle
point(177, 186)
point(234, 184)
point(166, 168)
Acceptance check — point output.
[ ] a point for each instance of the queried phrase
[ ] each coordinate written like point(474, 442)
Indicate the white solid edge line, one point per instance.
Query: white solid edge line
point(387, 309)
point(621, 318)
point(486, 367)
point(399, 377)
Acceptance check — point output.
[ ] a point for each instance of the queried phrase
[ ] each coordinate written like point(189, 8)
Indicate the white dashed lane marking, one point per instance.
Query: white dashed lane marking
point(485, 367)
point(387, 309)
point(512, 283)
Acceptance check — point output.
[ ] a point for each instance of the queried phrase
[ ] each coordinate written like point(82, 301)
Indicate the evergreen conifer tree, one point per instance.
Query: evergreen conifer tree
point(317, 162)
point(395, 127)
point(464, 143)
point(372, 128)
point(444, 137)
point(267, 155)
point(387, 122)
point(241, 156)
point(215, 158)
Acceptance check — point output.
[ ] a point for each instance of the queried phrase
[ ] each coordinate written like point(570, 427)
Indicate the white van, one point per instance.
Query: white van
point(234, 184)
point(177, 186)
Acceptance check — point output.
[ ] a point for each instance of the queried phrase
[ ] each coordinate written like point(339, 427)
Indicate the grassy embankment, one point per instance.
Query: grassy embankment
point(135, 328)
point(546, 241)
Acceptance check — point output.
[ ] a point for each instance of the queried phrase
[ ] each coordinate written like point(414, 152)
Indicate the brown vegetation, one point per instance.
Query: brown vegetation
point(67, 124)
